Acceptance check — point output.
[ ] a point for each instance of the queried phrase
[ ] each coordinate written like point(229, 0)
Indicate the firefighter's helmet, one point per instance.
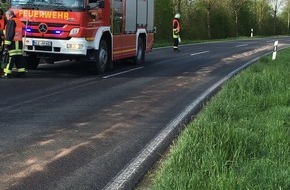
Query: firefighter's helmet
point(177, 16)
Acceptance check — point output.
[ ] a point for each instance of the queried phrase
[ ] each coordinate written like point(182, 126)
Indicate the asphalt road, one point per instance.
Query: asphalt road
point(62, 129)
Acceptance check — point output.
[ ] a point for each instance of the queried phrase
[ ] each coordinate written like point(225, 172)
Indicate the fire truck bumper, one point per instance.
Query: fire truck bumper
point(73, 46)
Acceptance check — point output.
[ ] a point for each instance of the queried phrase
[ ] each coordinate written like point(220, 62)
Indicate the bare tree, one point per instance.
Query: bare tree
point(276, 5)
point(260, 7)
point(177, 4)
point(235, 6)
point(209, 6)
point(287, 10)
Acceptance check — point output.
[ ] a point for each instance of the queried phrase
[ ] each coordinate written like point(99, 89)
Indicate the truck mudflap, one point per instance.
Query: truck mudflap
point(73, 46)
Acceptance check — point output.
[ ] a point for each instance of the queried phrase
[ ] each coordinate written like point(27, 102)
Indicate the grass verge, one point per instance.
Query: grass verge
point(241, 139)
point(166, 43)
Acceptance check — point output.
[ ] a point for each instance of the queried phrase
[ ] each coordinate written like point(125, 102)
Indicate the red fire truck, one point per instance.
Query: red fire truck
point(97, 32)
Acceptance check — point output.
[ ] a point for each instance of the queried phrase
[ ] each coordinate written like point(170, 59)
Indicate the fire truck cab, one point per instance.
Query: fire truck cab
point(97, 32)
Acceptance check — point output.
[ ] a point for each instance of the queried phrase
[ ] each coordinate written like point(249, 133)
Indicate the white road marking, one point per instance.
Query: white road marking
point(270, 41)
point(116, 74)
point(198, 53)
point(242, 45)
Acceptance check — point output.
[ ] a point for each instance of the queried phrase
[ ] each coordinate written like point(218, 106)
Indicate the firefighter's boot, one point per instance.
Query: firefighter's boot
point(1, 73)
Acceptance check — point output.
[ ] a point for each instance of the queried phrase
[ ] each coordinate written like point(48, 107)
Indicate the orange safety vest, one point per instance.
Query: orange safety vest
point(18, 30)
point(178, 24)
point(2, 23)
point(175, 34)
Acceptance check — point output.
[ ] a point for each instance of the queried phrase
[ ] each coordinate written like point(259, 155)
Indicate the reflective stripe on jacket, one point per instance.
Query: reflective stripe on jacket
point(17, 49)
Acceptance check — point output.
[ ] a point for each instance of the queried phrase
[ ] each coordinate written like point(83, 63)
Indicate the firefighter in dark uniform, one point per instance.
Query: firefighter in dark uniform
point(13, 44)
point(2, 27)
point(176, 32)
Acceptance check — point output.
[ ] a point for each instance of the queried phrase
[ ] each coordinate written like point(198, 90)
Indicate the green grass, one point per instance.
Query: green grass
point(241, 139)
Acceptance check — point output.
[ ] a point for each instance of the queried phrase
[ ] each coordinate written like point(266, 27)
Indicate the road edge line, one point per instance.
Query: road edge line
point(131, 174)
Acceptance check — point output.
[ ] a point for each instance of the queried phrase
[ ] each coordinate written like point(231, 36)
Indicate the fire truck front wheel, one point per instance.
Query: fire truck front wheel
point(32, 62)
point(100, 60)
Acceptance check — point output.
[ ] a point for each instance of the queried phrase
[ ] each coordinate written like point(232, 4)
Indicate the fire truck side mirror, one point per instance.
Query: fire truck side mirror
point(101, 4)
point(96, 4)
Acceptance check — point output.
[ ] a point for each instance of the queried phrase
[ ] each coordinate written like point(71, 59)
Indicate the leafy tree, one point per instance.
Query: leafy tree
point(4, 6)
point(235, 6)
point(164, 12)
point(209, 5)
point(246, 20)
point(222, 25)
point(192, 21)
point(286, 15)
point(261, 13)
point(177, 4)
point(275, 5)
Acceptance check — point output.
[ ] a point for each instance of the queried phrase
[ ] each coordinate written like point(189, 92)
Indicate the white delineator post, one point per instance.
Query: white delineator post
point(252, 32)
point(275, 50)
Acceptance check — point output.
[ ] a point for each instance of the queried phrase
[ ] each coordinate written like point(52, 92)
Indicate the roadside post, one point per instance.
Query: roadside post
point(275, 50)
point(252, 32)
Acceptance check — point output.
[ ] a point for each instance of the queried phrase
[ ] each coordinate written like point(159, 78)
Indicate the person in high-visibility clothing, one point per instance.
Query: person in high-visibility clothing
point(2, 27)
point(13, 44)
point(176, 32)
point(2, 19)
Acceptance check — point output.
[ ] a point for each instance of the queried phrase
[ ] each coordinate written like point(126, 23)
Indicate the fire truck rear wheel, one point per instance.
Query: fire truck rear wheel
point(32, 62)
point(140, 55)
point(101, 59)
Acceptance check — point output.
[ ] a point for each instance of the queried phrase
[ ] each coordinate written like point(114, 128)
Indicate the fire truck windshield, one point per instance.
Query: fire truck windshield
point(63, 5)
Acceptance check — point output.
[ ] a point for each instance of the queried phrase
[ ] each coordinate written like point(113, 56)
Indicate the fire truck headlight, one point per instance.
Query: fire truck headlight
point(74, 31)
point(75, 46)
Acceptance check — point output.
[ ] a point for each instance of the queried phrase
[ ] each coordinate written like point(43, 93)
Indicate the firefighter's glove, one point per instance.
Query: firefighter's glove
point(5, 52)
point(176, 31)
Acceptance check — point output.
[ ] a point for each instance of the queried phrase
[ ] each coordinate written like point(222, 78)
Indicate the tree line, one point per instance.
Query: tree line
point(216, 19)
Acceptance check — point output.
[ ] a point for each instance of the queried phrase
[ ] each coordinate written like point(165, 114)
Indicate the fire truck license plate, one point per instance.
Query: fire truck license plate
point(41, 43)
